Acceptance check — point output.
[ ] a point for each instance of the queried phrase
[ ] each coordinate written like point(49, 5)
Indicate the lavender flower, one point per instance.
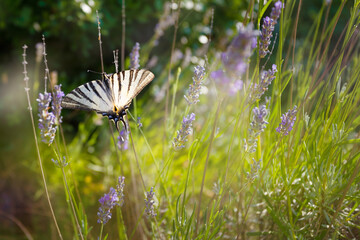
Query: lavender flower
point(108, 202)
point(194, 89)
point(123, 140)
point(235, 60)
point(120, 190)
point(114, 198)
point(134, 57)
point(258, 89)
point(150, 203)
point(56, 104)
point(287, 121)
point(46, 118)
point(255, 166)
point(276, 11)
point(257, 126)
point(268, 28)
point(266, 34)
point(181, 138)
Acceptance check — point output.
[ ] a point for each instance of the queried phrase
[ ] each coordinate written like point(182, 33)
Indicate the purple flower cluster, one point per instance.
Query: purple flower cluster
point(235, 60)
point(114, 198)
point(46, 118)
point(135, 57)
point(194, 89)
point(123, 140)
point(287, 121)
point(181, 138)
point(258, 89)
point(268, 28)
point(257, 126)
point(150, 203)
point(56, 104)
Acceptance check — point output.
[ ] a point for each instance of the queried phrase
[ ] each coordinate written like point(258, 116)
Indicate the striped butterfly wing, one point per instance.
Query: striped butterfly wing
point(91, 96)
point(128, 84)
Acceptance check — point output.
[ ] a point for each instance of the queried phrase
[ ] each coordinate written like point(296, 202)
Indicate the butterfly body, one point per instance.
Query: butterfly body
point(110, 97)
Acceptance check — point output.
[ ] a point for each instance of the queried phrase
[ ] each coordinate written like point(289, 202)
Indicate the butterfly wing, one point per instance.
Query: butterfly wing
point(91, 96)
point(128, 84)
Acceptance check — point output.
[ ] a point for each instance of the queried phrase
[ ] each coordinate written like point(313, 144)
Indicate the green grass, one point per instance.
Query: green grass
point(307, 186)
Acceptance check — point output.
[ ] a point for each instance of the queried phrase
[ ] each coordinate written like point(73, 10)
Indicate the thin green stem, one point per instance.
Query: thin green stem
point(206, 164)
point(27, 89)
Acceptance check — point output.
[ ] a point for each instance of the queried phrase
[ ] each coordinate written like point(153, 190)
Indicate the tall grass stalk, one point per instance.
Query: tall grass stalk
point(206, 162)
point(27, 89)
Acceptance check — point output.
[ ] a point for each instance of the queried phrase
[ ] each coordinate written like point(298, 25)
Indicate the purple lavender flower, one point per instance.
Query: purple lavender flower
point(181, 138)
point(257, 126)
point(276, 11)
point(268, 28)
point(134, 57)
point(194, 89)
point(150, 203)
point(235, 59)
point(235, 87)
point(56, 104)
point(123, 140)
point(46, 118)
point(108, 202)
point(114, 198)
point(266, 34)
point(287, 121)
point(258, 89)
point(120, 190)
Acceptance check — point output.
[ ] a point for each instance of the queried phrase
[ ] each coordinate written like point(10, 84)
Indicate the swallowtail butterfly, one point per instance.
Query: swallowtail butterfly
point(111, 96)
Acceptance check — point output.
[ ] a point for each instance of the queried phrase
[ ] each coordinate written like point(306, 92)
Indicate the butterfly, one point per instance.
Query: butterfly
point(111, 96)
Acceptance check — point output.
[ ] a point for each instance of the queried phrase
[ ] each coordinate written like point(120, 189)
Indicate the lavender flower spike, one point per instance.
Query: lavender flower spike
point(56, 104)
point(287, 121)
point(257, 126)
point(235, 59)
point(108, 201)
point(134, 57)
point(258, 89)
point(150, 203)
point(268, 28)
point(46, 118)
point(194, 89)
point(181, 138)
point(120, 190)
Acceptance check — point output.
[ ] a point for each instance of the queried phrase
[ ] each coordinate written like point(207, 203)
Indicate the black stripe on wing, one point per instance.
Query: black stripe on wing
point(90, 96)
point(68, 102)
